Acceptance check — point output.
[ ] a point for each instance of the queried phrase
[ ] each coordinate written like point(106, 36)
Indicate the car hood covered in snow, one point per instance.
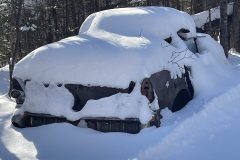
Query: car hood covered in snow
point(113, 48)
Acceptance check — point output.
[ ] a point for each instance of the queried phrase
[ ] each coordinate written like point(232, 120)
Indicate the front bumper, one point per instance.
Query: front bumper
point(129, 125)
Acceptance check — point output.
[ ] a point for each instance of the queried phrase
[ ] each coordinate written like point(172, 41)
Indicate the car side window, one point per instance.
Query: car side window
point(189, 41)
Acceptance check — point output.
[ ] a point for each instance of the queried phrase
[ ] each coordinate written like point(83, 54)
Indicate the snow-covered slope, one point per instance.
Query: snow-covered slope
point(212, 133)
point(208, 128)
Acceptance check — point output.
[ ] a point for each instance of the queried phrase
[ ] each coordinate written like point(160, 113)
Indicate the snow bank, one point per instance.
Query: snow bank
point(203, 17)
point(234, 58)
point(113, 48)
point(208, 127)
point(4, 80)
point(211, 134)
point(211, 57)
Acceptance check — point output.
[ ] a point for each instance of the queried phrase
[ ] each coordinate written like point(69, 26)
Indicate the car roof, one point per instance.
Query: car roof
point(138, 21)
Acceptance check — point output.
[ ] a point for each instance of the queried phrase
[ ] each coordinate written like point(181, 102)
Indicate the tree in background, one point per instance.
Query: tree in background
point(224, 25)
point(5, 30)
point(16, 6)
point(236, 26)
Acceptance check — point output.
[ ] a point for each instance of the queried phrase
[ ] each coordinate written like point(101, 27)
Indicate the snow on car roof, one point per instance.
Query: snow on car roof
point(113, 48)
point(138, 21)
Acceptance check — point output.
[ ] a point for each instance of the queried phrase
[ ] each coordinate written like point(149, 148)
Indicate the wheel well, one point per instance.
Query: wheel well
point(182, 98)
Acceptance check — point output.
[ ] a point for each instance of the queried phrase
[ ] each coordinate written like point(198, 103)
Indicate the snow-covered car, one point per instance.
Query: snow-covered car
point(123, 68)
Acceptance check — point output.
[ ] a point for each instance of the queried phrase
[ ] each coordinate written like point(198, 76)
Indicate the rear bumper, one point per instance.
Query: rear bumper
point(129, 125)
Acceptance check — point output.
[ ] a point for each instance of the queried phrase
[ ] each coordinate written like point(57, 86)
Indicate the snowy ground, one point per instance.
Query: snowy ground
point(207, 128)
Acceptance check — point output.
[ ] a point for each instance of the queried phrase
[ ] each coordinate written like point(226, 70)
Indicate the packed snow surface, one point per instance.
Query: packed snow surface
point(113, 48)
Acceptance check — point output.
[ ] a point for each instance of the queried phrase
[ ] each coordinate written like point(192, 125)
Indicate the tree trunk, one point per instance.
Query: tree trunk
point(67, 18)
point(166, 3)
point(73, 14)
point(153, 2)
point(55, 22)
point(17, 6)
point(178, 4)
point(197, 6)
point(224, 26)
point(208, 4)
point(191, 7)
point(236, 25)
point(88, 7)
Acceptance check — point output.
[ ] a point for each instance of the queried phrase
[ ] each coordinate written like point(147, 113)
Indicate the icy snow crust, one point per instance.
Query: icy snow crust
point(113, 48)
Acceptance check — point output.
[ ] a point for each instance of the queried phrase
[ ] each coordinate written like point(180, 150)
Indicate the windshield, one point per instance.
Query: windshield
point(84, 93)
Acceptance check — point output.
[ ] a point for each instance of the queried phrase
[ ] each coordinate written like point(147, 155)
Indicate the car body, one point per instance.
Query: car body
point(123, 68)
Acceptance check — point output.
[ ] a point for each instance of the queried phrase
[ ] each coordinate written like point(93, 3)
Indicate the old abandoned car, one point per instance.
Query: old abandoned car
point(123, 68)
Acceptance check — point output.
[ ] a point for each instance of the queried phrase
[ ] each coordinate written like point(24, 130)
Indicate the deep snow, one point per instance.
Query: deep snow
point(207, 128)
